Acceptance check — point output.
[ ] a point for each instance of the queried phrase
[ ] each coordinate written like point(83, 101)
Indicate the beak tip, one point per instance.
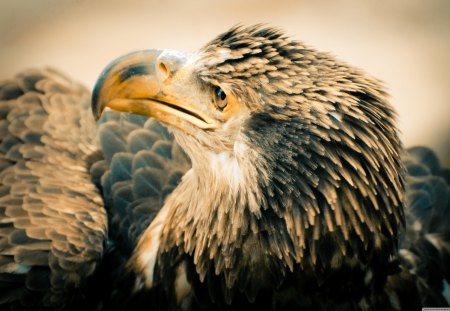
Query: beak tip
point(97, 108)
point(120, 72)
point(96, 102)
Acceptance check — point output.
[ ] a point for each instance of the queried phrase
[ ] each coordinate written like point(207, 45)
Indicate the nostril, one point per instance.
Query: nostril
point(163, 70)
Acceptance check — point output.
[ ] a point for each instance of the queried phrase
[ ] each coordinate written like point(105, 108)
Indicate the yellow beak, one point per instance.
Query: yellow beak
point(138, 83)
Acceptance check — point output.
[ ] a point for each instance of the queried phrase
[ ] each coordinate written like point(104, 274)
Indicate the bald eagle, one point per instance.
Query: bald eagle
point(256, 173)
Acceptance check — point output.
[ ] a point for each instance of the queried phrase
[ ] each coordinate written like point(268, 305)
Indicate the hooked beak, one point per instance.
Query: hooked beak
point(145, 83)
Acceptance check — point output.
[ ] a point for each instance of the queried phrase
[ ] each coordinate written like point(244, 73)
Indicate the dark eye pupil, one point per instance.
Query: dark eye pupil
point(220, 93)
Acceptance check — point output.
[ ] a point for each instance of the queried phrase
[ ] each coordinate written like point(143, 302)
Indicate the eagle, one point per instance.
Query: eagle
point(255, 173)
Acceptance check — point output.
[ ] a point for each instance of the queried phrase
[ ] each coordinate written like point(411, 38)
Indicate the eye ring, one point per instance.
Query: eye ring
point(221, 98)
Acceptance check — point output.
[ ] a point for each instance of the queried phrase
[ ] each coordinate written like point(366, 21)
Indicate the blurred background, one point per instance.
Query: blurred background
point(405, 43)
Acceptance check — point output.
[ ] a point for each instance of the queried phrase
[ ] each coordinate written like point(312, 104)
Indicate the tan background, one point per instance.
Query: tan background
point(406, 43)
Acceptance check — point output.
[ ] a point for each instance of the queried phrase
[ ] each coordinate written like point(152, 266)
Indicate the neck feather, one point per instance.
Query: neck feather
point(215, 206)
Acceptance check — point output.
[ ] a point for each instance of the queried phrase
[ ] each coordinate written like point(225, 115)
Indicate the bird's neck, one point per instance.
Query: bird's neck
point(219, 184)
point(215, 213)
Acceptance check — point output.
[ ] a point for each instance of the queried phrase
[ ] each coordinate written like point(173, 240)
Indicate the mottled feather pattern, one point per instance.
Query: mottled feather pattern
point(329, 169)
point(141, 166)
point(52, 225)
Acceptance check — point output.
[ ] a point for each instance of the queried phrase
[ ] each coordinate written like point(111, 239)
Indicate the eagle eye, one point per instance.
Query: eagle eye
point(221, 98)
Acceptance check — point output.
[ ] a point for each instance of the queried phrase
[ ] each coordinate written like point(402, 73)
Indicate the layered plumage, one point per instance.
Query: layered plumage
point(291, 191)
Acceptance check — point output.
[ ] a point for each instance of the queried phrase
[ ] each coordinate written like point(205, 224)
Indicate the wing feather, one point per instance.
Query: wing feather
point(425, 246)
point(142, 165)
point(53, 225)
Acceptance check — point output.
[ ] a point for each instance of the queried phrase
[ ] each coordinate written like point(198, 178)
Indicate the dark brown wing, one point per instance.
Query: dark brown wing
point(74, 196)
point(52, 222)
